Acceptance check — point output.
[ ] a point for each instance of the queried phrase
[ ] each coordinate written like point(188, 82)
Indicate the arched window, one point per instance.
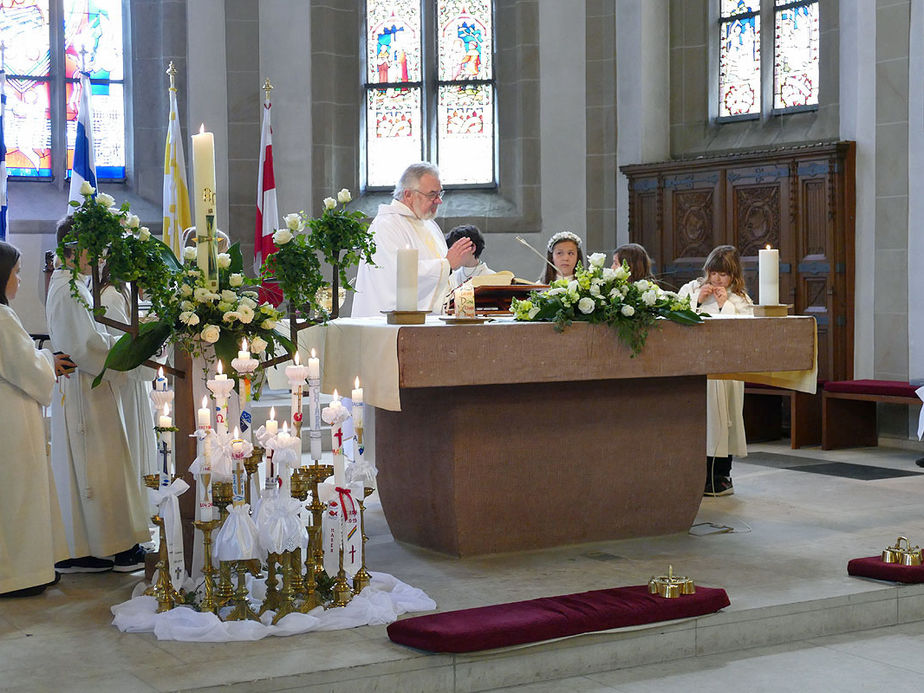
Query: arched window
point(46, 42)
point(791, 71)
point(430, 90)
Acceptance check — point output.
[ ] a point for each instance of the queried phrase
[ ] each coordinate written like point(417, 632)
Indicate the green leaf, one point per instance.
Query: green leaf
point(226, 349)
point(237, 260)
point(683, 317)
point(128, 353)
point(166, 254)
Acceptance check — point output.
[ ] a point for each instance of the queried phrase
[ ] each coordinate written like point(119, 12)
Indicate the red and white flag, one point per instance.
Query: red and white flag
point(267, 213)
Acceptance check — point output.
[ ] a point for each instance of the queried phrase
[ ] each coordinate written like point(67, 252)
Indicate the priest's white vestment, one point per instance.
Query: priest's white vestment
point(725, 433)
point(102, 506)
point(395, 227)
point(134, 395)
point(31, 534)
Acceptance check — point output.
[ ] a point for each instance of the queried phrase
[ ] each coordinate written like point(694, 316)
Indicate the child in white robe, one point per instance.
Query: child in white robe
point(102, 505)
point(472, 266)
point(564, 252)
point(721, 291)
point(31, 534)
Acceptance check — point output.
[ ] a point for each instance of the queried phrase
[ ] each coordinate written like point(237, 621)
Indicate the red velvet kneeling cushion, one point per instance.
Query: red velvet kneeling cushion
point(503, 625)
point(892, 388)
point(874, 567)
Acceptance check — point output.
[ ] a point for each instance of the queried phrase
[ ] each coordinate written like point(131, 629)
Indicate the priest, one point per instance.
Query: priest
point(408, 223)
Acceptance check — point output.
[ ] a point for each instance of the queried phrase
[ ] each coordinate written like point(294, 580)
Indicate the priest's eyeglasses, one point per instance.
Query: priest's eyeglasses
point(435, 195)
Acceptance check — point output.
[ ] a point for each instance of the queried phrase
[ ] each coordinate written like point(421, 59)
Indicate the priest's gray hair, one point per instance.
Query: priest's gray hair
point(410, 179)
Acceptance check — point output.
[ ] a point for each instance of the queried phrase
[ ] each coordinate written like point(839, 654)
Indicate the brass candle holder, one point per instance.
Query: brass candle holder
point(287, 597)
point(251, 463)
point(273, 599)
point(341, 593)
point(222, 493)
point(221, 496)
point(208, 571)
point(305, 585)
point(317, 473)
point(162, 590)
point(362, 578)
point(242, 610)
point(671, 586)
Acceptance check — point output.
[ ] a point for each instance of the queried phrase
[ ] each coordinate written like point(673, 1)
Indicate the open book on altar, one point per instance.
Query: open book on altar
point(502, 278)
point(494, 293)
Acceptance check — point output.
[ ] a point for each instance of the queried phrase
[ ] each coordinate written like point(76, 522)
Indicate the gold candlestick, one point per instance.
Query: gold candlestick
point(272, 600)
point(286, 601)
point(242, 609)
point(162, 590)
point(251, 464)
point(208, 572)
point(317, 474)
point(362, 578)
point(342, 594)
point(221, 496)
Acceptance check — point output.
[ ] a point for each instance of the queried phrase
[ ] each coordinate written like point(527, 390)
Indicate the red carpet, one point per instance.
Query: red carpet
point(503, 625)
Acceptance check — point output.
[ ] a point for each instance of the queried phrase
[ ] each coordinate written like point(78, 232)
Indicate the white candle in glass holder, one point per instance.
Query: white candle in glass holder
point(406, 287)
point(768, 272)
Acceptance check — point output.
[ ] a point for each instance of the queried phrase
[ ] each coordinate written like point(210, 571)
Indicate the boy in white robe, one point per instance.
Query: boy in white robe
point(102, 506)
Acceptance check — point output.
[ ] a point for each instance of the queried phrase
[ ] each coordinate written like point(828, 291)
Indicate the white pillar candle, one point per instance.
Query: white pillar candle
point(203, 146)
point(768, 269)
point(357, 397)
point(204, 415)
point(160, 384)
point(406, 288)
point(314, 366)
point(272, 426)
point(243, 353)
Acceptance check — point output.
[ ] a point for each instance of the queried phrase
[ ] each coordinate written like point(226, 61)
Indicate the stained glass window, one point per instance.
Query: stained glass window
point(795, 55)
point(37, 67)
point(439, 109)
point(739, 58)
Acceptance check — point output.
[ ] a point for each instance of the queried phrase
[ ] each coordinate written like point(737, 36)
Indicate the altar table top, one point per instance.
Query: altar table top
point(388, 358)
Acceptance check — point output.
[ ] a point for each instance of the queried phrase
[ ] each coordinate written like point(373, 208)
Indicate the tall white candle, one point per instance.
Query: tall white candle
point(203, 146)
point(272, 426)
point(768, 269)
point(314, 366)
point(204, 415)
point(166, 437)
point(406, 288)
point(357, 397)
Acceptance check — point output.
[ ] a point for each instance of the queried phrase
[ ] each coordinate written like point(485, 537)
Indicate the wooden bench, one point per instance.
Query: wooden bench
point(848, 418)
point(763, 414)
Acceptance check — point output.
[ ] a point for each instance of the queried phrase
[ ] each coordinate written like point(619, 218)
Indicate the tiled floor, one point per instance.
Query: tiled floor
point(779, 546)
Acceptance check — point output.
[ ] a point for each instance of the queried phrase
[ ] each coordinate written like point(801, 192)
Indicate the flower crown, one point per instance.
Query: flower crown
point(564, 236)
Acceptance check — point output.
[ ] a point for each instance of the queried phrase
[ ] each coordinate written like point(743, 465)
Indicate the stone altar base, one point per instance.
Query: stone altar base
point(601, 459)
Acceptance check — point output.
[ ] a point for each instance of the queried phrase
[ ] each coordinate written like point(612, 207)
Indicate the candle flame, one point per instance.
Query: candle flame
point(357, 383)
point(336, 396)
point(312, 352)
point(220, 371)
point(768, 246)
point(285, 426)
point(202, 129)
point(166, 409)
point(297, 359)
point(272, 414)
point(244, 344)
point(205, 402)
point(160, 372)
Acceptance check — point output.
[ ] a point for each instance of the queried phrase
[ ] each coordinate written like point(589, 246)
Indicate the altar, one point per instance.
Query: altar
point(511, 436)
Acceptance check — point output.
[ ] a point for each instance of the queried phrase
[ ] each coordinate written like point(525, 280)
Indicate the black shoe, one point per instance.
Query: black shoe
point(86, 564)
point(129, 561)
point(721, 486)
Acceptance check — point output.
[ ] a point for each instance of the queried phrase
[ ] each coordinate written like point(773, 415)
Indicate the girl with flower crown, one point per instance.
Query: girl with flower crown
point(721, 291)
point(563, 252)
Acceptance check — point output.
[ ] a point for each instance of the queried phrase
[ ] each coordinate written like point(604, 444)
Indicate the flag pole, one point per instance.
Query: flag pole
point(171, 72)
point(267, 88)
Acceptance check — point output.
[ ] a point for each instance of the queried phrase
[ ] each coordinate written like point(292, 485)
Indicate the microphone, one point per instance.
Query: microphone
point(544, 259)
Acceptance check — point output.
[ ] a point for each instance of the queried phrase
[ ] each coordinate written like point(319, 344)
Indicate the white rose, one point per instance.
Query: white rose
point(344, 196)
point(189, 318)
point(594, 289)
point(87, 189)
point(650, 297)
point(245, 314)
point(105, 200)
point(132, 221)
point(586, 305)
point(554, 292)
point(245, 301)
point(258, 345)
point(268, 324)
point(597, 259)
point(229, 296)
point(224, 260)
point(187, 305)
point(251, 294)
point(210, 333)
point(621, 273)
point(236, 279)
point(186, 290)
point(572, 286)
point(224, 306)
point(609, 274)
point(189, 253)
point(329, 203)
point(230, 316)
point(144, 233)
point(627, 310)
point(643, 285)
point(281, 237)
point(201, 294)
point(293, 221)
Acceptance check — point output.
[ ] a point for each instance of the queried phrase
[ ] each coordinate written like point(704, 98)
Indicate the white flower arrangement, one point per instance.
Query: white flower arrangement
point(601, 294)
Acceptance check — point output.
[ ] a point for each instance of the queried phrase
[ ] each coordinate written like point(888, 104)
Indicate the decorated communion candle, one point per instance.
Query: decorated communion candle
point(357, 397)
point(406, 288)
point(768, 267)
point(204, 189)
point(160, 383)
point(166, 437)
point(296, 374)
